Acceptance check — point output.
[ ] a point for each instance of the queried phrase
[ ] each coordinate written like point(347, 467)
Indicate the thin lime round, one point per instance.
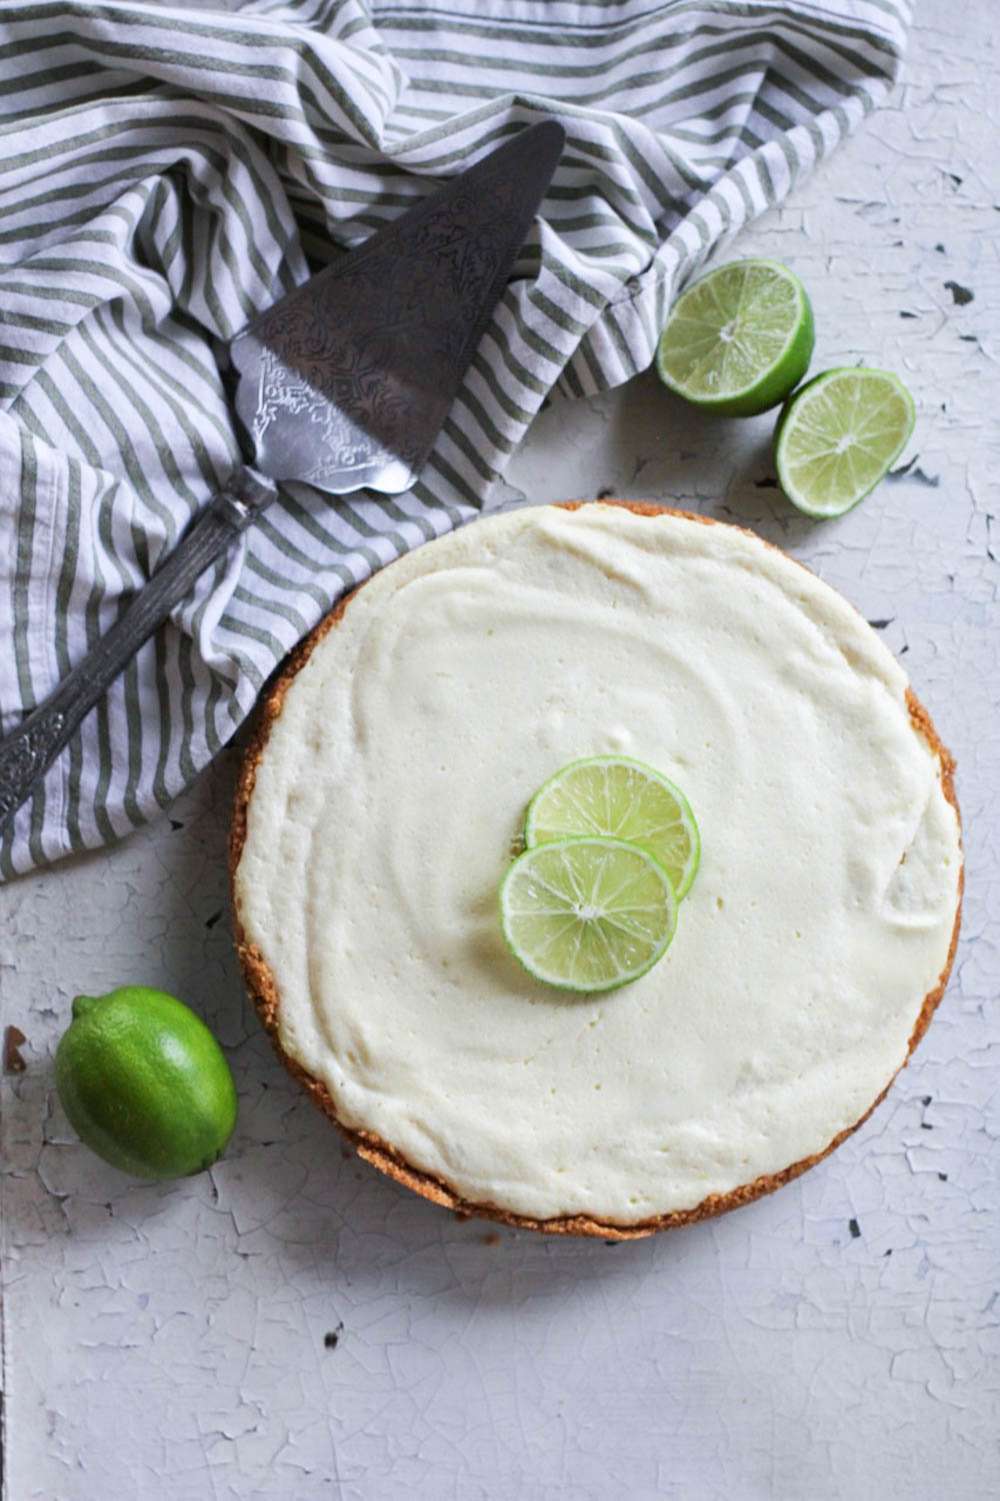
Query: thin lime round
point(144, 1083)
point(739, 340)
point(587, 914)
point(839, 436)
point(623, 799)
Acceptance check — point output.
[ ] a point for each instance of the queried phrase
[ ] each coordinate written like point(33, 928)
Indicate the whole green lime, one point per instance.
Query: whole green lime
point(144, 1083)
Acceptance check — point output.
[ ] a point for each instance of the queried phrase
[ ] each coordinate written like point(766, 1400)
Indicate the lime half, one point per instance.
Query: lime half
point(623, 799)
point(587, 914)
point(839, 436)
point(739, 340)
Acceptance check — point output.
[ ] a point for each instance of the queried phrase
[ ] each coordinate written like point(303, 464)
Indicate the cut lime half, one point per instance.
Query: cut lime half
point(839, 436)
point(587, 914)
point(623, 799)
point(739, 340)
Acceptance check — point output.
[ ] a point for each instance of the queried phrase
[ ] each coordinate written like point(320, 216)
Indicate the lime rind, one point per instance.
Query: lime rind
point(820, 469)
point(739, 339)
point(587, 914)
point(645, 809)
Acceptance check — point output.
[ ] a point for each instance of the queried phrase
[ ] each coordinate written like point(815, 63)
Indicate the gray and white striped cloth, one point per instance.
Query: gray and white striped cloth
point(165, 173)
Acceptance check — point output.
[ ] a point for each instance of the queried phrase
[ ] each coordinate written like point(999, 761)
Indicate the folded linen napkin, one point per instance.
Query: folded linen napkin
point(165, 173)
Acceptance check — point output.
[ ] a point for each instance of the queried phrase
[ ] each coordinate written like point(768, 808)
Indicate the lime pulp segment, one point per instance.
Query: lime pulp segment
point(739, 340)
point(587, 914)
point(621, 798)
point(839, 436)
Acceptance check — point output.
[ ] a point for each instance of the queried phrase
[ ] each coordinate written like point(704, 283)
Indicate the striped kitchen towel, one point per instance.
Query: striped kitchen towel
point(165, 173)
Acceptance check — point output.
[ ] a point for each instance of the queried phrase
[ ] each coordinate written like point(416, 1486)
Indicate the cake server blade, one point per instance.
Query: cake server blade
point(346, 382)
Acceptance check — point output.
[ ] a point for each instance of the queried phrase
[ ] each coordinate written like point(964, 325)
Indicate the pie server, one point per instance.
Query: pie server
point(343, 384)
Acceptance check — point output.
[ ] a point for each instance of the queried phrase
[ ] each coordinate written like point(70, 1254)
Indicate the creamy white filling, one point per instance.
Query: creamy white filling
point(396, 779)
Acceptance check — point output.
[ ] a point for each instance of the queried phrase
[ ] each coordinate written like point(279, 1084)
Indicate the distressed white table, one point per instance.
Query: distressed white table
point(292, 1326)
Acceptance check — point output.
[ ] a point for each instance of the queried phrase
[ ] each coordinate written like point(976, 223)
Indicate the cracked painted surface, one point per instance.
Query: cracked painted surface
point(293, 1326)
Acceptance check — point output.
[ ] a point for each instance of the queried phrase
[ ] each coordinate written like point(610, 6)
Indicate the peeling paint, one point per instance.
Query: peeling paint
point(960, 295)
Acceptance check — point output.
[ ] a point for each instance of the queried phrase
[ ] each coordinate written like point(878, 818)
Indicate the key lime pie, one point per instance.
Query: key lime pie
point(384, 800)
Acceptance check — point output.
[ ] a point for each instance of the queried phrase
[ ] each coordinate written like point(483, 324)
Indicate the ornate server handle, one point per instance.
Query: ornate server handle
point(27, 753)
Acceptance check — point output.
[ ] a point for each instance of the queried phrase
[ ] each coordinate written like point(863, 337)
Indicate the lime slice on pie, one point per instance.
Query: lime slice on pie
point(624, 799)
point(839, 436)
point(587, 914)
point(739, 340)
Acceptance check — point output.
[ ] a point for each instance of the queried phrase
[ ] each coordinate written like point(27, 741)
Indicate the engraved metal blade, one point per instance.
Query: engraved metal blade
point(345, 382)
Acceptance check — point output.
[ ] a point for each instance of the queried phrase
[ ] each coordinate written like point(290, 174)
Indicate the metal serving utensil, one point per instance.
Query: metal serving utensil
point(343, 384)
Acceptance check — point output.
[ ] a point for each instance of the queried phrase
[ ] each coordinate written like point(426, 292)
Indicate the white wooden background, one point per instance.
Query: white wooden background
point(292, 1326)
